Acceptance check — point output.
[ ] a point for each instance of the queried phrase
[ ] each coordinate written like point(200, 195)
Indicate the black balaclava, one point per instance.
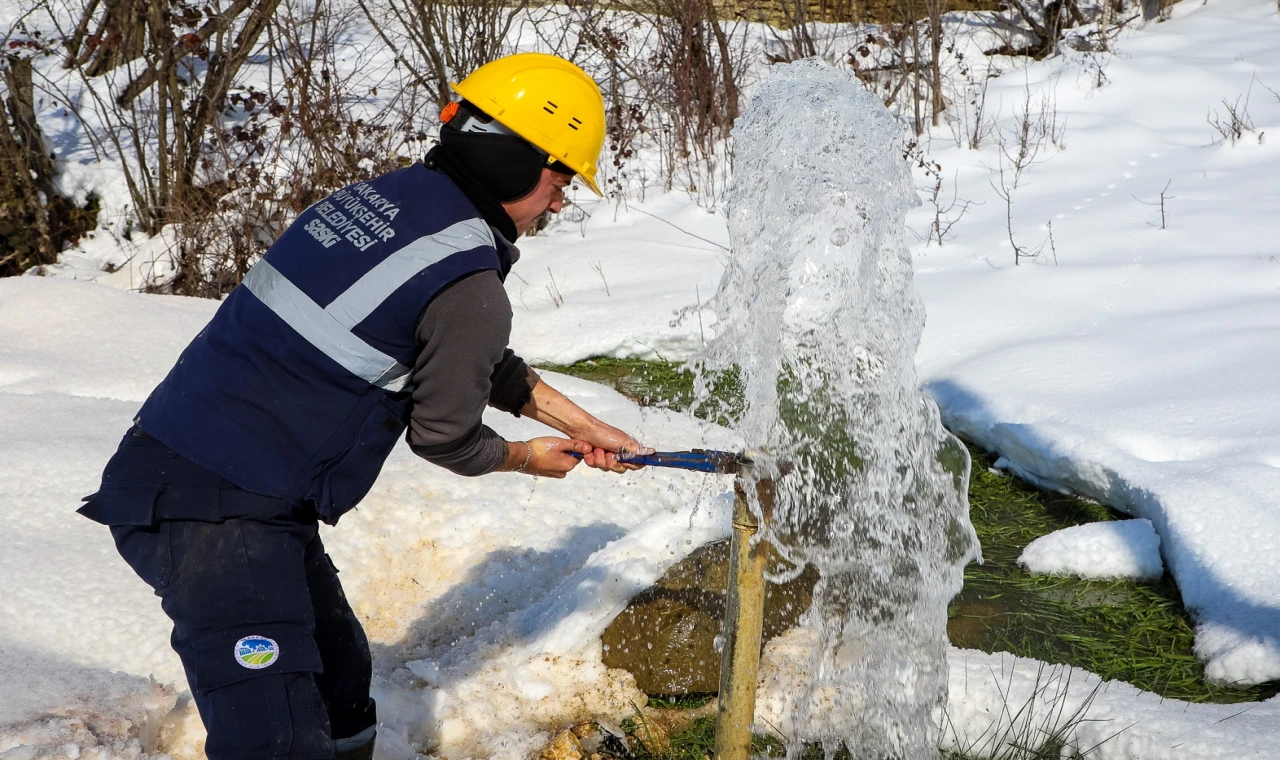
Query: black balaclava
point(489, 168)
point(507, 165)
point(443, 160)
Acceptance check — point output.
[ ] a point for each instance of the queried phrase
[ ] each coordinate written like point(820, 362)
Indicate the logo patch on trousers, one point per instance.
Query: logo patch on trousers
point(256, 652)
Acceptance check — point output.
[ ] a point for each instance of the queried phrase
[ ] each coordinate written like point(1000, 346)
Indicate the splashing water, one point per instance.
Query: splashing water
point(818, 311)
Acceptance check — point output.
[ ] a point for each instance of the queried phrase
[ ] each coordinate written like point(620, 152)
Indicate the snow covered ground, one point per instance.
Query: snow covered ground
point(484, 599)
point(643, 267)
point(1139, 369)
point(494, 592)
point(999, 704)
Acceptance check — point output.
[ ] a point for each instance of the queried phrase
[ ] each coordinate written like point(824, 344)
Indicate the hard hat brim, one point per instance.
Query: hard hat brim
point(591, 183)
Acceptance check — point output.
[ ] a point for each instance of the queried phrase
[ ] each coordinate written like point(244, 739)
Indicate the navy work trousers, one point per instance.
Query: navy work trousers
point(277, 662)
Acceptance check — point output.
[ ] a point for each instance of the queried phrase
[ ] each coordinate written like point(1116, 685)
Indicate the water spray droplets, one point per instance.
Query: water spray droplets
point(818, 312)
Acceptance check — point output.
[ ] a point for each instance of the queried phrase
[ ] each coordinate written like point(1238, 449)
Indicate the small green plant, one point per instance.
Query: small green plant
point(680, 701)
point(1135, 632)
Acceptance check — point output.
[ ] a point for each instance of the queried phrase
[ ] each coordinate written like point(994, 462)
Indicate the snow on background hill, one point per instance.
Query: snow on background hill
point(1137, 368)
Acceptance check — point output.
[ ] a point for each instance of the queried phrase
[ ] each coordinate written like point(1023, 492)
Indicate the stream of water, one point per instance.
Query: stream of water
point(818, 311)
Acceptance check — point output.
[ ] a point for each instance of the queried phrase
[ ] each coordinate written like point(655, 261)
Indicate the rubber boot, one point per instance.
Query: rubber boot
point(362, 751)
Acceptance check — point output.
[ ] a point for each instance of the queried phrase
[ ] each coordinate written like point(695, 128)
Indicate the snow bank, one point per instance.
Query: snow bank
point(540, 667)
point(1115, 721)
point(1104, 550)
point(52, 708)
point(1140, 370)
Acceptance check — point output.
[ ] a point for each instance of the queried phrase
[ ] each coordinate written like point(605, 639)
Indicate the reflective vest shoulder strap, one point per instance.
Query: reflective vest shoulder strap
point(329, 329)
point(321, 330)
point(358, 301)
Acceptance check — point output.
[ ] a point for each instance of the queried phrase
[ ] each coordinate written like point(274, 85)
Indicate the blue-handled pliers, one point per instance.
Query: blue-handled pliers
point(699, 460)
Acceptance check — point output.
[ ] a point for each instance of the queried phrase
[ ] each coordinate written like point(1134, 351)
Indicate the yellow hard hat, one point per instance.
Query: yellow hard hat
point(546, 100)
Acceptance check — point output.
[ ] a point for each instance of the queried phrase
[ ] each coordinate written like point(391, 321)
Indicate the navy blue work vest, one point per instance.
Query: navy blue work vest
point(299, 386)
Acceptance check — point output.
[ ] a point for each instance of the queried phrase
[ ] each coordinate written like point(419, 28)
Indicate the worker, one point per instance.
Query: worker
point(381, 309)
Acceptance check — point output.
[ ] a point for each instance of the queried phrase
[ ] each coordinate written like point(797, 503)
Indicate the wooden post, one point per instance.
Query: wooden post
point(744, 620)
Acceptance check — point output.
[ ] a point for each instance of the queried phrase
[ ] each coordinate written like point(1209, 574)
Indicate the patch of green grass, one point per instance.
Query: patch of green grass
point(660, 383)
point(698, 742)
point(1134, 632)
point(679, 701)
point(1126, 630)
point(695, 742)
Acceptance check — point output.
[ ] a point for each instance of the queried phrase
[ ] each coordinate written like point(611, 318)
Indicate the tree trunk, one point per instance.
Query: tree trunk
point(34, 220)
point(728, 79)
point(120, 36)
point(217, 83)
point(26, 177)
point(935, 9)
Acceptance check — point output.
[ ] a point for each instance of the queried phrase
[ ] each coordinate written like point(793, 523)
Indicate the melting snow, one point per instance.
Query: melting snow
point(1105, 550)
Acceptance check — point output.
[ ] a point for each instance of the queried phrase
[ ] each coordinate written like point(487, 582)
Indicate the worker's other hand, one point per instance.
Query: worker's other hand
point(550, 458)
point(606, 443)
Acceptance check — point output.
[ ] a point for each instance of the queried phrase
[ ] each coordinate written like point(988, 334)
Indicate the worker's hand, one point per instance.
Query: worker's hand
point(549, 456)
point(550, 407)
point(606, 443)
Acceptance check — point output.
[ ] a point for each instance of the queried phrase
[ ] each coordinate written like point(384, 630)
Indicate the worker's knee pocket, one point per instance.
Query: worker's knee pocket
point(256, 689)
point(271, 717)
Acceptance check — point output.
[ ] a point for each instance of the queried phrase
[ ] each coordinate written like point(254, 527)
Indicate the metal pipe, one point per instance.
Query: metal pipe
point(744, 620)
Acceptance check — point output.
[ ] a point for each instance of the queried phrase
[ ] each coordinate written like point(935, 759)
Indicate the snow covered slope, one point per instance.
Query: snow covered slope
point(622, 283)
point(1140, 369)
point(484, 583)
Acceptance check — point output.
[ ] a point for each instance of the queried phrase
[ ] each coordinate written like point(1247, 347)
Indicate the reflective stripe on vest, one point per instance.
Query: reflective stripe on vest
point(329, 329)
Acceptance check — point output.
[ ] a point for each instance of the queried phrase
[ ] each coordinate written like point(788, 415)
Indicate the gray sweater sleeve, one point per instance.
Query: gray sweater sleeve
point(463, 338)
